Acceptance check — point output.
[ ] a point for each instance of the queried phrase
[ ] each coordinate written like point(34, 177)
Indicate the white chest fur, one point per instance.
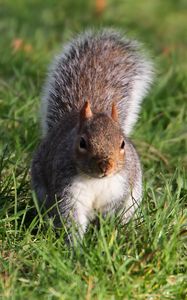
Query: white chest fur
point(90, 194)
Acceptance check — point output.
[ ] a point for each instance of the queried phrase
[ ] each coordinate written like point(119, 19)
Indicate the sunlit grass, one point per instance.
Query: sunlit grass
point(146, 259)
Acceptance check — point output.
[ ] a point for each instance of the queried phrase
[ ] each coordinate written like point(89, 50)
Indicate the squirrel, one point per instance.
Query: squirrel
point(86, 163)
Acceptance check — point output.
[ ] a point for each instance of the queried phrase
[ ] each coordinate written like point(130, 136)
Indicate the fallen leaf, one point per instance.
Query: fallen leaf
point(20, 45)
point(172, 280)
point(17, 44)
point(100, 6)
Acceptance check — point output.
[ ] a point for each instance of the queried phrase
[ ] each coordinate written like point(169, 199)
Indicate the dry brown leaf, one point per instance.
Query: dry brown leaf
point(17, 44)
point(100, 6)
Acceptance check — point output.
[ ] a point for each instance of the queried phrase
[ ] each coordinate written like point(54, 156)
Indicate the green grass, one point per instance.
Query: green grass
point(147, 258)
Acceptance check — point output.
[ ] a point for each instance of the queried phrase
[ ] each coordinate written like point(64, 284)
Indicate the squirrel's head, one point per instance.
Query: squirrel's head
point(100, 143)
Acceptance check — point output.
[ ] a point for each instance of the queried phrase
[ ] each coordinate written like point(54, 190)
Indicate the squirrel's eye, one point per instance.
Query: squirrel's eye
point(82, 143)
point(122, 145)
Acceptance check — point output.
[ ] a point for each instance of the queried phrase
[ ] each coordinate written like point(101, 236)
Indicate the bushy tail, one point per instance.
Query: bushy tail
point(101, 67)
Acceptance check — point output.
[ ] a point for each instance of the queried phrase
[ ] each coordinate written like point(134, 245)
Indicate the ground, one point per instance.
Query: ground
point(146, 259)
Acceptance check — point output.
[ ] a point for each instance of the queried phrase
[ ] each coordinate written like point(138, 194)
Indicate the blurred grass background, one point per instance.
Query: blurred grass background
point(148, 261)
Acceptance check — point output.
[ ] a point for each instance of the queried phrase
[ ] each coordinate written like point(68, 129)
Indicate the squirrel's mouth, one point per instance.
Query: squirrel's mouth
point(97, 175)
point(104, 175)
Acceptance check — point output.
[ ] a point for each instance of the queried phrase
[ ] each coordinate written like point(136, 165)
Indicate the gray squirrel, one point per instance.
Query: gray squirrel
point(85, 163)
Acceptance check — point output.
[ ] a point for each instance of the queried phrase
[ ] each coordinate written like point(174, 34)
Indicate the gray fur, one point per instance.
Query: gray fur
point(103, 68)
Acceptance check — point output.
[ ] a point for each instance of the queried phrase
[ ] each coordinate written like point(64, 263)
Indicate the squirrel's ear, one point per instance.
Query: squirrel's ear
point(114, 113)
point(86, 112)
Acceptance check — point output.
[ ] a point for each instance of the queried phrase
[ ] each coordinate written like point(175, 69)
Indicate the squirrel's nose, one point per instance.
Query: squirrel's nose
point(105, 166)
